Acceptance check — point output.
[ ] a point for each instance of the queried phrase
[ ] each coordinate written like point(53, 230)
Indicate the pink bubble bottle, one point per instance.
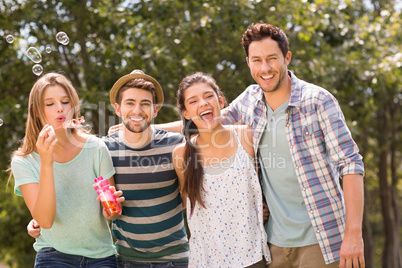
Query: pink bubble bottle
point(107, 197)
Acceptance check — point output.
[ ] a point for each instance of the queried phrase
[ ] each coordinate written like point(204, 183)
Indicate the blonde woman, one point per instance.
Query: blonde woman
point(54, 170)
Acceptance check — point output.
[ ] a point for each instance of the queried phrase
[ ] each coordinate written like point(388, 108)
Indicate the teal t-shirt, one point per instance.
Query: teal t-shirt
point(289, 224)
point(79, 227)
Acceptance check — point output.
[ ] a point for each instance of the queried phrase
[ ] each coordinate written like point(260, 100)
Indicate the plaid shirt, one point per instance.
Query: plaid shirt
point(322, 151)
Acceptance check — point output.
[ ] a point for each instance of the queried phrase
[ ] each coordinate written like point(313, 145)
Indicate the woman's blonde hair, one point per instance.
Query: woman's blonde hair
point(36, 117)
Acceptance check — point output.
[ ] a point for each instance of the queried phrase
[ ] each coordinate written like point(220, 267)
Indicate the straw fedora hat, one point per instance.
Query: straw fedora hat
point(135, 75)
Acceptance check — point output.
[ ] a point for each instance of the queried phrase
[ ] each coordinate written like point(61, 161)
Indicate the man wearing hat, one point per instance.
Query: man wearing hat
point(150, 232)
point(151, 229)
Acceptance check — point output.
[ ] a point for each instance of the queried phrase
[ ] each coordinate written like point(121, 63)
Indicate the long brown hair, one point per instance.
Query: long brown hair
point(193, 171)
point(36, 117)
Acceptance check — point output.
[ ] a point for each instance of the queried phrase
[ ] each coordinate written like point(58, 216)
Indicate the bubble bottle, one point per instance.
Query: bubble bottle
point(107, 197)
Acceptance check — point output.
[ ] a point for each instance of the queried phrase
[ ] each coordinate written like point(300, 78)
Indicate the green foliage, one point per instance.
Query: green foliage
point(16, 244)
point(346, 47)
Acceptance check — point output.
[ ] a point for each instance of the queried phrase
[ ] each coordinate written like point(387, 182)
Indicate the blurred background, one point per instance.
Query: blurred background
point(350, 47)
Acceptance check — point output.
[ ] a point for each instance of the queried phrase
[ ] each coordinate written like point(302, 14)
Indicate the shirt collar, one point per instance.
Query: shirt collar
point(258, 94)
point(295, 91)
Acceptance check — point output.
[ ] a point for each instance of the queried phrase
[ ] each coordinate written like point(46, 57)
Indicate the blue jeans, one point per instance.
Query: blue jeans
point(51, 258)
point(138, 264)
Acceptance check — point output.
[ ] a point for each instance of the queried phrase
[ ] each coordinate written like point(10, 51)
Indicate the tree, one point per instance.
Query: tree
point(348, 47)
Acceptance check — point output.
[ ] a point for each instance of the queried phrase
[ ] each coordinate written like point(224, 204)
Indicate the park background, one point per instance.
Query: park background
point(350, 47)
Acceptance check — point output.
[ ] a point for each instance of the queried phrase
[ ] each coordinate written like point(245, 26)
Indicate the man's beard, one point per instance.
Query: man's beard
point(281, 78)
point(136, 129)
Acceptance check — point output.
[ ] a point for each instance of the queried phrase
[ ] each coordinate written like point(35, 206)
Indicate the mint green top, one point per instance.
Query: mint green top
point(289, 224)
point(79, 227)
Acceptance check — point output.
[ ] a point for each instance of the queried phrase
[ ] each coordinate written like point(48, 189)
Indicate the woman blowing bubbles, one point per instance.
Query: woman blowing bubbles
point(217, 174)
point(54, 170)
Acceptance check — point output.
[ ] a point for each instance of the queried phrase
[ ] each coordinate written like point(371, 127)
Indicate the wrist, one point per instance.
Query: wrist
point(47, 165)
point(46, 168)
point(353, 229)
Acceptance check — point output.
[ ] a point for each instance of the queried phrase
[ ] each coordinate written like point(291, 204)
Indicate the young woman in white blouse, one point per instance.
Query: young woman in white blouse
point(217, 174)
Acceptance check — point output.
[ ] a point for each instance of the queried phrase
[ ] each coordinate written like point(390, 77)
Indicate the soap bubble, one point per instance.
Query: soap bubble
point(62, 38)
point(37, 69)
point(1, 122)
point(9, 38)
point(33, 54)
point(86, 128)
point(66, 41)
point(48, 49)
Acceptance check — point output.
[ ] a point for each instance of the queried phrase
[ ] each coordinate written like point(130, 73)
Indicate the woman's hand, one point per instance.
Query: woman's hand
point(45, 145)
point(118, 194)
point(119, 198)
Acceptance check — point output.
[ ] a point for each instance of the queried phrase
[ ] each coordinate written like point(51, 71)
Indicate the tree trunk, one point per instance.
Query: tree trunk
point(390, 253)
point(395, 179)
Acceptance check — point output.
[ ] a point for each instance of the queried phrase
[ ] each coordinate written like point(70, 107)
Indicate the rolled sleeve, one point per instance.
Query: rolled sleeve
point(106, 164)
point(23, 172)
point(342, 149)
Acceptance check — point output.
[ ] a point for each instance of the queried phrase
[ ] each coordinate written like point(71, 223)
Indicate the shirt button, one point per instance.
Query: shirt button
point(311, 212)
point(288, 125)
point(291, 146)
point(317, 231)
point(297, 167)
point(304, 188)
point(306, 133)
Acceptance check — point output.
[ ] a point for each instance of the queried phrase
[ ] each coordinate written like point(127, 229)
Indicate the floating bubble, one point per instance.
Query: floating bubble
point(9, 38)
point(33, 54)
point(87, 128)
point(62, 38)
point(48, 49)
point(37, 69)
point(1, 122)
point(66, 41)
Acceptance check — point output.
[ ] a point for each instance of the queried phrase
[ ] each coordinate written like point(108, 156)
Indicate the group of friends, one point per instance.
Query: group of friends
point(281, 146)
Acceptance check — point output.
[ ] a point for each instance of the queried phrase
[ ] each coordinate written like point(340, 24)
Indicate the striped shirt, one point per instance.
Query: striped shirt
point(322, 150)
point(151, 227)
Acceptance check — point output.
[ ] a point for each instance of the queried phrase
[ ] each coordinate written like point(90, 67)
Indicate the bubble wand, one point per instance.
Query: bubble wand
point(77, 124)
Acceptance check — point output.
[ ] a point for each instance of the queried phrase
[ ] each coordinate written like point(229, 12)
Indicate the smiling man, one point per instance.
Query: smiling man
point(150, 231)
point(304, 148)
